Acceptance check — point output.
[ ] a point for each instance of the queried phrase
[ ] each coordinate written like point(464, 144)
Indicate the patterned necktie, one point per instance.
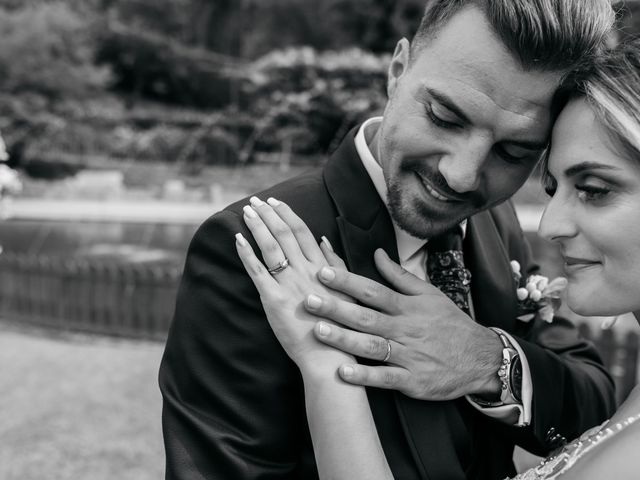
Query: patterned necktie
point(445, 267)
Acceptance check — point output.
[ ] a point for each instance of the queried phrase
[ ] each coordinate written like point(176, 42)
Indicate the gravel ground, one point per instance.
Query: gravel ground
point(78, 407)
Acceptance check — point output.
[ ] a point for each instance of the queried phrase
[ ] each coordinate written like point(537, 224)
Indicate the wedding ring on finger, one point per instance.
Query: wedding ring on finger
point(280, 267)
point(388, 355)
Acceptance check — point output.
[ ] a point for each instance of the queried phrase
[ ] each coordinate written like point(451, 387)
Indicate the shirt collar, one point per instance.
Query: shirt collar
point(408, 245)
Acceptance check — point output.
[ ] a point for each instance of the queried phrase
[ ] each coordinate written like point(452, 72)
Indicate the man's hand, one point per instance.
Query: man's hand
point(437, 351)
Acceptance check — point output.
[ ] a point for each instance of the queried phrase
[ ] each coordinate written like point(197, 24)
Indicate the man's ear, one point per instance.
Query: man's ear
point(398, 66)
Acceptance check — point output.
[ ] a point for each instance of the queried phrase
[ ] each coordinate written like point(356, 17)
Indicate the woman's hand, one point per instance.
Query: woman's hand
point(281, 234)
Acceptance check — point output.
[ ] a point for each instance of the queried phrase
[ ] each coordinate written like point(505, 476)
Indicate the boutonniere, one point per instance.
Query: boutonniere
point(537, 295)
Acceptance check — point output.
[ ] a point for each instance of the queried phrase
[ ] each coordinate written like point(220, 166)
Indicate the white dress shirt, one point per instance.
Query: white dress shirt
point(413, 257)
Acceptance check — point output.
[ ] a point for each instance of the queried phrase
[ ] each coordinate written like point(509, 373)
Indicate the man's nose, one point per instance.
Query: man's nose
point(558, 220)
point(463, 167)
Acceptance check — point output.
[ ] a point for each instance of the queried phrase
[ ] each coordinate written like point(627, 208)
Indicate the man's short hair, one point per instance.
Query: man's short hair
point(544, 35)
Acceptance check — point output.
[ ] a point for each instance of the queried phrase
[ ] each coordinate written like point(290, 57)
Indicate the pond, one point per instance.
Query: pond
point(144, 242)
point(131, 242)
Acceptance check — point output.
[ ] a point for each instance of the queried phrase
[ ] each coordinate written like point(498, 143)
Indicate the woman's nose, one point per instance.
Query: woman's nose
point(557, 221)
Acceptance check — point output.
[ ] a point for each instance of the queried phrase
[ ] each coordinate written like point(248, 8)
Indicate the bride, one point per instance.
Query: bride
point(593, 177)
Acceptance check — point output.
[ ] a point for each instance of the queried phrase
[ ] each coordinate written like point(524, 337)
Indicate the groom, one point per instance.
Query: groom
point(471, 104)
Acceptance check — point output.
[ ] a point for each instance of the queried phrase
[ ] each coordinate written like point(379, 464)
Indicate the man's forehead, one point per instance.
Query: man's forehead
point(500, 79)
point(466, 49)
point(483, 100)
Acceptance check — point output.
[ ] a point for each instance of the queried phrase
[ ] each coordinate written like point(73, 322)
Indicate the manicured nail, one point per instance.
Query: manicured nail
point(273, 202)
point(327, 274)
point(314, 301)
point(241, 240)
point(327, 243)
point(323, 329)
point(256, 202)
point(347, 371)
point(384, 253)
point(249, 212)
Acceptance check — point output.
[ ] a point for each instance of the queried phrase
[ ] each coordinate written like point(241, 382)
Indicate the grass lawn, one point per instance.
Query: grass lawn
point(77, 407)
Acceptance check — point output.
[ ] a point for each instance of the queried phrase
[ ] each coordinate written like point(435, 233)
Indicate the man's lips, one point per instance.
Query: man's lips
point(437, 192)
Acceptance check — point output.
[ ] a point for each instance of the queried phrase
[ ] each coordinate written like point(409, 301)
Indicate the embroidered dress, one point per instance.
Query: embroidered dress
point(566, 457)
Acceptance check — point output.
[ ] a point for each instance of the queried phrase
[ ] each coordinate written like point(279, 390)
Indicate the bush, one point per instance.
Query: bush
point(47, 48)
point(308, 100)
point(155, 66)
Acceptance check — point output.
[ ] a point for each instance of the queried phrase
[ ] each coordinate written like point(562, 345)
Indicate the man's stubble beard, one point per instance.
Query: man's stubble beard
point(414, 219)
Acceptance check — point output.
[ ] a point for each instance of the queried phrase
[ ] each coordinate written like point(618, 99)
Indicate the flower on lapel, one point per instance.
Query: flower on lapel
point(537, 295)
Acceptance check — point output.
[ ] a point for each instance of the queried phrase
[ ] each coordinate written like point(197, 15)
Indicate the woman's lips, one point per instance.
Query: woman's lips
point(572, 264)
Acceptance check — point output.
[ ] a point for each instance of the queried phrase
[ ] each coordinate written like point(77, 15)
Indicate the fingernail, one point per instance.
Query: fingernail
point(241, 240)
point(383, 253)
point(347, 371)
point(314, 301)
point(327, 243)
point(273, 202)
point(327, 274)
point(249, 212)
point(323, 329)
point(256, 202)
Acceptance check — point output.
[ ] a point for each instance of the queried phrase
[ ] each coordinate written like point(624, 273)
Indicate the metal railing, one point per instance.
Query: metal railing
point(619, 354)
point(92, 295)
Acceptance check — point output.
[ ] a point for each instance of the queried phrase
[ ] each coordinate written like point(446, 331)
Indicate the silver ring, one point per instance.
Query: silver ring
point(388, 355)
point(280, 267)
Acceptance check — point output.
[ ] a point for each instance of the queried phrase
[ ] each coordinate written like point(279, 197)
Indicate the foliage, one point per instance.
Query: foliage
point(306, 100)
point(187, 52)
point(46, 48)
point(156, 66)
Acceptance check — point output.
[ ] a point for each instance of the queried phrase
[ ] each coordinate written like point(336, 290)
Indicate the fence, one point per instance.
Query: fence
point(620, 355)
point(133, 300)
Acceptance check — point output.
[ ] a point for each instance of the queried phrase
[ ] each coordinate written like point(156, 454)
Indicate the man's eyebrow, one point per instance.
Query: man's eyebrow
point(586, 166)
point(446, 102)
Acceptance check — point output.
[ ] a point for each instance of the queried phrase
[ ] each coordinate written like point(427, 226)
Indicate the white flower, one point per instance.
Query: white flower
point(4, 156)
point(9, 181)
point(539, 296)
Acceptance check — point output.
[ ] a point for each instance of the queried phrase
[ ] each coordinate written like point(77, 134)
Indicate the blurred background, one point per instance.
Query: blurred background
point(125, 124)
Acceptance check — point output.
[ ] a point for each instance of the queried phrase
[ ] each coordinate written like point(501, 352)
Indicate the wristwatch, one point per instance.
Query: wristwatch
point(510, 371)
point(509, 374)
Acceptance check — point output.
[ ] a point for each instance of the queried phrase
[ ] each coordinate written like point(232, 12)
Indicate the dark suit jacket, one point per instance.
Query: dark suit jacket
point(233, 401)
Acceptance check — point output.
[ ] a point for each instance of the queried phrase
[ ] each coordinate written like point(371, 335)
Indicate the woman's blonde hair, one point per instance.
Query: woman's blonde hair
point(613, 92)
point(612, 88)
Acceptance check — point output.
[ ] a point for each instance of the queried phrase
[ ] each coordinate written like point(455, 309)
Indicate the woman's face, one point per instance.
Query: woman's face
point(594, 214)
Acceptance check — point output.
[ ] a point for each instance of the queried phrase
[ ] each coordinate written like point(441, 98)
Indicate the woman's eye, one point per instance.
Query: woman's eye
point(439, 122)
point(590, 193)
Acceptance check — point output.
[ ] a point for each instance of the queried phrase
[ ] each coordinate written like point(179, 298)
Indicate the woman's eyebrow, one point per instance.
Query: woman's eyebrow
point(579, 168)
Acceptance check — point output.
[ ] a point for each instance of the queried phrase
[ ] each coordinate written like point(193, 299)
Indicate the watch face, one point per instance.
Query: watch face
point(516, 378)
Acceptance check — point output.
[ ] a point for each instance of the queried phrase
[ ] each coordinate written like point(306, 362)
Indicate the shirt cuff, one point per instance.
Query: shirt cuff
point(518, 414)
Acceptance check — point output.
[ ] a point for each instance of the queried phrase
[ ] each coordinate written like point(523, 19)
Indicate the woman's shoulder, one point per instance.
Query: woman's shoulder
point(610, 451)
point(630, 407)
point(615, 456)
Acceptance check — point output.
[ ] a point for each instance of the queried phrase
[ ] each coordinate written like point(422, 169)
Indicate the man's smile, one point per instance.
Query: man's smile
point(436, 192)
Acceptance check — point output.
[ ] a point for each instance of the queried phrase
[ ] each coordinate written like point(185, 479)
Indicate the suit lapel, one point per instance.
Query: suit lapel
point(487, 259)
point(364, 224)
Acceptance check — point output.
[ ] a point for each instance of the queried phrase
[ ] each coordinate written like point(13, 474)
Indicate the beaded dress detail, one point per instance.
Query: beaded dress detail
point(566, 457)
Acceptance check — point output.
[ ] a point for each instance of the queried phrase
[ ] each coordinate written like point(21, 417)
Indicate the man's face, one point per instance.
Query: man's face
point(463, 127)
